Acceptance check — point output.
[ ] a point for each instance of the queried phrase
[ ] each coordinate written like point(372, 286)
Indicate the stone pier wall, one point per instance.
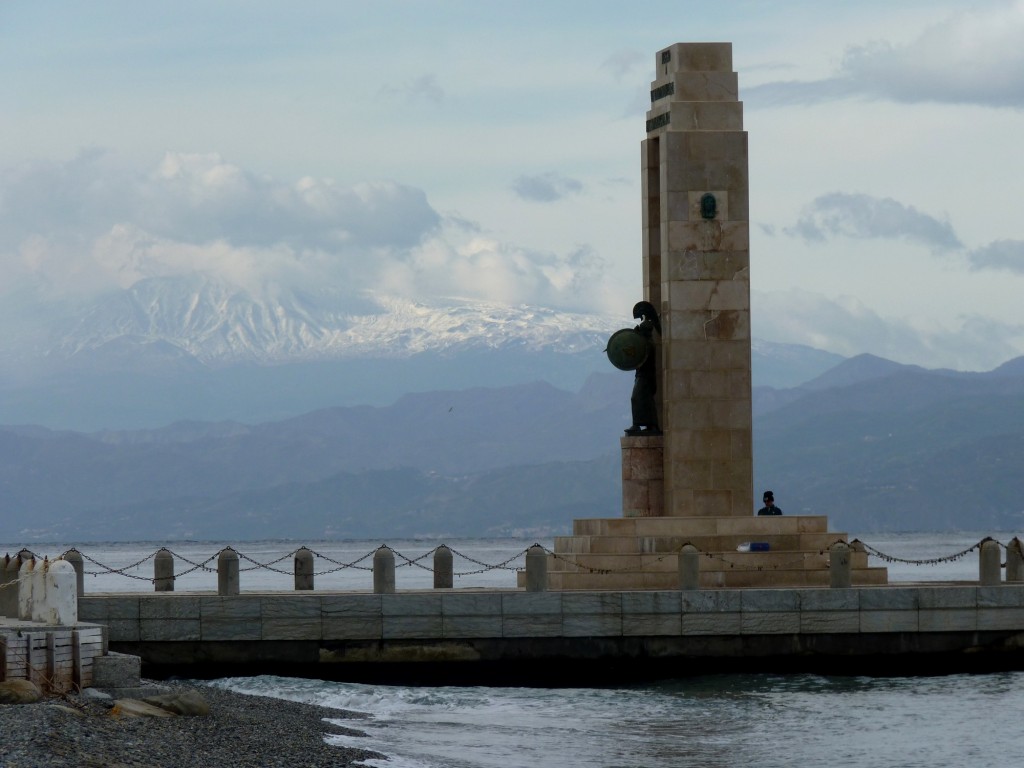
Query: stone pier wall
point(464, 626)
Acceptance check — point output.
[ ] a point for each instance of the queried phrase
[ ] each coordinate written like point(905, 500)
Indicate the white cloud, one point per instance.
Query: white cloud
point(972, 57)
point(423, 87)
point(623, 64)
point(1000, 254)
point(88, 230)
point(849, 327)
point(474, 266)
point(864, 217)
point(546, 187)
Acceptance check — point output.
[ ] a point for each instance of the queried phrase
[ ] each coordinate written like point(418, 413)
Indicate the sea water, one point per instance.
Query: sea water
point(713, 720)
point(720, 720)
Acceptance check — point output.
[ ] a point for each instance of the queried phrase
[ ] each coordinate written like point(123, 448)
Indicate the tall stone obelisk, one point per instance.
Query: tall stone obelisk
point(692, 483)
point(696, 269)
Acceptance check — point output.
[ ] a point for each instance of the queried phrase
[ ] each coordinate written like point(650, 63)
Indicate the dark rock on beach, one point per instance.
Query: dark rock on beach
point(240, 730)
point(19, 692)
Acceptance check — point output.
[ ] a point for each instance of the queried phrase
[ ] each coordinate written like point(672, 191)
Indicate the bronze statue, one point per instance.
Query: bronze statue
point(632, 349)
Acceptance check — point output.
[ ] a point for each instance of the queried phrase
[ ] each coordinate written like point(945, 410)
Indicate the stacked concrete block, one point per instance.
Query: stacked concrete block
point(473, 614)
point(55, 658)
point(351, 617)
point(1000, 609)
point(652, 613)
point(894, 609)
point(175, 619)
point(947, 609)
point(531, 614)
point(643, 476)
point(291, 617)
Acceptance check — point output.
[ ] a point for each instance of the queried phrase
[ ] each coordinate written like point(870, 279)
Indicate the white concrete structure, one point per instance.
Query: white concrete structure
point(48, 593)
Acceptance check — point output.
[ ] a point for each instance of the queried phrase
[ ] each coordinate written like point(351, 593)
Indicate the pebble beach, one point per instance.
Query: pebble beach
point(241, 731)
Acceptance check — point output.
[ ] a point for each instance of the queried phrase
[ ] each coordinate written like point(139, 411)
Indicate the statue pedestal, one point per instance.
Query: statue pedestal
point(641, 549)
point(643, 476)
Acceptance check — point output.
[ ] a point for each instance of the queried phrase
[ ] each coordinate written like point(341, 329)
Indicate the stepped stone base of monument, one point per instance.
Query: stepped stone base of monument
point(642, 553)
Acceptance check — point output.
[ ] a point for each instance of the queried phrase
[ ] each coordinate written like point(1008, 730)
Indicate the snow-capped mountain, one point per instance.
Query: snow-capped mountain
point(175, 348)
point(219, 325)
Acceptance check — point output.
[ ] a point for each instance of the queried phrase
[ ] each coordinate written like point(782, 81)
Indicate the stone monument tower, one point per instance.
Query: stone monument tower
point(696, 270)
point(691, 483)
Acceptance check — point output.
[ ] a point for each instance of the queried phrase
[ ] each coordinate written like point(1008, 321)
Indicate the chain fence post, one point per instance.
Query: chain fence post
point(536, 569)
point(227, 572)
point(839, 565)
point(26, 585)
point(56, 599)
point(9, 575)
point(989, 568)
point(444, 568)
point(384, 571)
point(303, 569)
point(1015, 560)
point(163, 571)
point(689, 567)
point(74, 557)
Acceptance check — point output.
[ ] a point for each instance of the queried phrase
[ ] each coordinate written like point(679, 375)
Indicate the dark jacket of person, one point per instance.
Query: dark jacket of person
point(771, 509)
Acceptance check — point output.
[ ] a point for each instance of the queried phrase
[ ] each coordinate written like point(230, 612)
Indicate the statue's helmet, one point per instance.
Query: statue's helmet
point(646, 310)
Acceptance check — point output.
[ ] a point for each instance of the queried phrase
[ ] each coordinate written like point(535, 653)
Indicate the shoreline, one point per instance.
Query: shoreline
point(242, 730)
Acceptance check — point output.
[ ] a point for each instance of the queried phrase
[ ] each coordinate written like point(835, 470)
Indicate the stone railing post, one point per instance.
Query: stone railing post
point(689, 567)
point(303, 569)
point(840, 565)
point(1015, 560)
point(989, 569)
point(536, 569)
point(384, 571)
point(74, 557)
point(227, 572)
point(163, 571)
point(39, 588)
point(9, 568)
point(444, 568)
point(55, 597)
point(26, 586)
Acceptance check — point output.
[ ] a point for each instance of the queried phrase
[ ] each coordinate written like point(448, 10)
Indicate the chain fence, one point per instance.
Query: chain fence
point(475, 566)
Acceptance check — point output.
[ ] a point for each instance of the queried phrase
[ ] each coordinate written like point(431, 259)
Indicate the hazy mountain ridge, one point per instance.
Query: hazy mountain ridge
point(376, 503)
point(910, 449)
point(906, 449)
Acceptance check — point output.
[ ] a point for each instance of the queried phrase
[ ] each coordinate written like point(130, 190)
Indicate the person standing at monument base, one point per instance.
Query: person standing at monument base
point(769, 507)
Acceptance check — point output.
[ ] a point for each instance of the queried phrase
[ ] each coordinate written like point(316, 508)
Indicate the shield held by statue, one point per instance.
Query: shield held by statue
point(628, 349)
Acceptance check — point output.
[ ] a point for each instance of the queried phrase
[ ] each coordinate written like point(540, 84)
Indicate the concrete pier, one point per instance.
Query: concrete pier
point(568, 635)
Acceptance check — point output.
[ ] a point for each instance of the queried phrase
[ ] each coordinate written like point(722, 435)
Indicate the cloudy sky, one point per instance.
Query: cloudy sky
point(491, 150)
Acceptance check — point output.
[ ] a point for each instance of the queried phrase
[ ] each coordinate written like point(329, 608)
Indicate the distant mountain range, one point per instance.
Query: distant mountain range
point(881, 446)
point(874, 445)
point(189, 409)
